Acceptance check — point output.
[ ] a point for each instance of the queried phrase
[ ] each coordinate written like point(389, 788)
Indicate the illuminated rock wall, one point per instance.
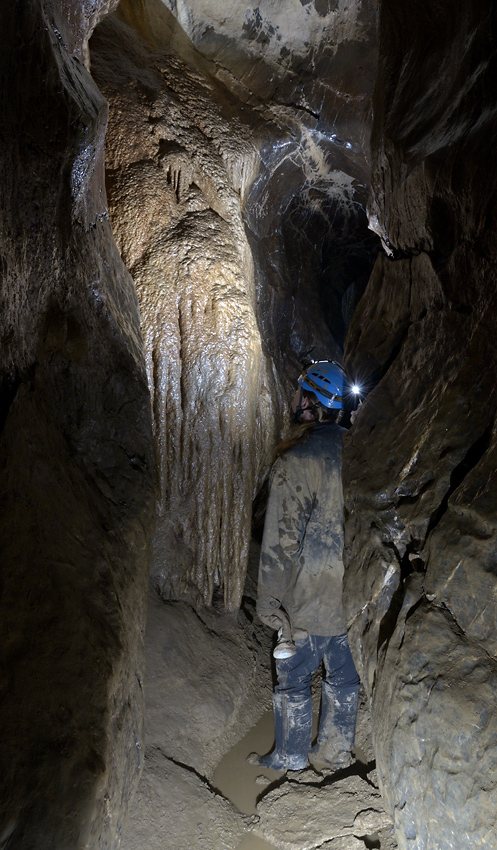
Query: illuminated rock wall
point(420, 462)
point(175, 171)
point(76, 454)
point(220, 205)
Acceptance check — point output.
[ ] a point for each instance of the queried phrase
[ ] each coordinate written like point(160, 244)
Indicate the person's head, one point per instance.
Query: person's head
point(320, 394)
point(306, 407)
point(318, 399)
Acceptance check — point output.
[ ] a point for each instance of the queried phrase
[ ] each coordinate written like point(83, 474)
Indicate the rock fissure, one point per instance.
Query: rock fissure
point(299, 108)
point(470, 461)
point(189, 769)
point(8, 392)
point(462, 632)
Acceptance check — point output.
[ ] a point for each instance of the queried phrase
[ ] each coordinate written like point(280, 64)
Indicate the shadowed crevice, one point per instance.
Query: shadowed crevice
point(8, 392)
point(471, 459)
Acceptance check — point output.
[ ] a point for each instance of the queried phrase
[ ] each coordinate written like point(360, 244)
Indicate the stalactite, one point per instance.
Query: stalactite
point(214, 423)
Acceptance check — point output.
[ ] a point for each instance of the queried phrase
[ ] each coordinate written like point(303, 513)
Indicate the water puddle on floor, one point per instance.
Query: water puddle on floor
point(236, 779)
point(251, 842)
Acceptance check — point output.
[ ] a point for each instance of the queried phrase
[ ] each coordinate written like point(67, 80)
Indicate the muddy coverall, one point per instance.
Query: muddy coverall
point(301, 571)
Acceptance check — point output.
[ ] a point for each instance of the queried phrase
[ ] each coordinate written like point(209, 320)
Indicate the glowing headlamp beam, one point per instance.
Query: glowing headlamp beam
point(356, 389)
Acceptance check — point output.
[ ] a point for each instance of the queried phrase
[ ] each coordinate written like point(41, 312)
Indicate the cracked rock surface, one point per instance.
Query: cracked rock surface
point(183, 809)
point(300, 816)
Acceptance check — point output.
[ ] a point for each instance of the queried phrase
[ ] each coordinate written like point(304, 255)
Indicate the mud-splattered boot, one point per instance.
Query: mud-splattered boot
point(337, 723)
point(293, 731)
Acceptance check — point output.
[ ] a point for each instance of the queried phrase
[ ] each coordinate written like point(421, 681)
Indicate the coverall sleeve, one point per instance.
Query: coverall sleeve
point(288, 511)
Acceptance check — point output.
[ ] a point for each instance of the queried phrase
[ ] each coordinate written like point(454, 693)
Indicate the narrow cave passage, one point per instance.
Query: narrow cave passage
point(182, 218)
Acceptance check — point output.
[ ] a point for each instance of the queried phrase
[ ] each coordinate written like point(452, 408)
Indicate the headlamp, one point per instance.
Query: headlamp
point(355, 388)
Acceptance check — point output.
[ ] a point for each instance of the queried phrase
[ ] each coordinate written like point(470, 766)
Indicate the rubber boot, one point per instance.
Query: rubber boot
point(293, 732)
point(337, 723)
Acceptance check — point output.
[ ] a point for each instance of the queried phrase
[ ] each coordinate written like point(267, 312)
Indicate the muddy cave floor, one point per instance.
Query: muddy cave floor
point(208, 705)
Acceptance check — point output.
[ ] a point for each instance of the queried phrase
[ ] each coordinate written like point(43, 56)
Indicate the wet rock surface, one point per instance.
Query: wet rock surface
point(299, 55)
point(183, 809)
point(301, 816)
point(76, 458)
point(420, 461)
point(232, 277)
point(175, 170)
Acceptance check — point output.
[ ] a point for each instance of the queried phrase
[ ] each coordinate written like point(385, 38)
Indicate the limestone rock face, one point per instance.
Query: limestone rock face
point(311, 244)
point(420, 461)
point(299, 54)
point(75, 456)
point(302, 816)
point(220, 204)
point(175, 172)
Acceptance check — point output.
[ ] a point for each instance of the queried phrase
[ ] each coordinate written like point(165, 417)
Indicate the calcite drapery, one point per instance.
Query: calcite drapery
point(420, 461)
point(184, 145)
point(174, 175)
point(75, 454)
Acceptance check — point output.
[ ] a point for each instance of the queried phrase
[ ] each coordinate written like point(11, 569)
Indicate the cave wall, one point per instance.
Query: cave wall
point(210, 188)
point(298, 55)
point(420, 460)
point(76, 454)
point(184, 148)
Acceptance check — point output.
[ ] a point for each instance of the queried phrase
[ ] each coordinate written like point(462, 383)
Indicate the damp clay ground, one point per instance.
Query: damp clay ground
point(208, 705)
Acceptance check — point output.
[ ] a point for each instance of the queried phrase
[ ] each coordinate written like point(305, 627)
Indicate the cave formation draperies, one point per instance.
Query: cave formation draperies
point(225, 315)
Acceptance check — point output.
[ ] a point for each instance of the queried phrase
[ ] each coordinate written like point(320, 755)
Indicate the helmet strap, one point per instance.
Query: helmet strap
point(300, 410)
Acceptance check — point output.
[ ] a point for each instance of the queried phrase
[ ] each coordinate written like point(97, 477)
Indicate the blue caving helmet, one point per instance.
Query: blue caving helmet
point(325, 379)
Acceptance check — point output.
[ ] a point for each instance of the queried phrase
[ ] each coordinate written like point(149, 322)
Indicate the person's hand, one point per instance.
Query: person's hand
point(272, 620)
point(354, 413)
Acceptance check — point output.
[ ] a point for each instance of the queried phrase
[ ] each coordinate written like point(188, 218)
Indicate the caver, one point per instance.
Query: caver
point(300, 580)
